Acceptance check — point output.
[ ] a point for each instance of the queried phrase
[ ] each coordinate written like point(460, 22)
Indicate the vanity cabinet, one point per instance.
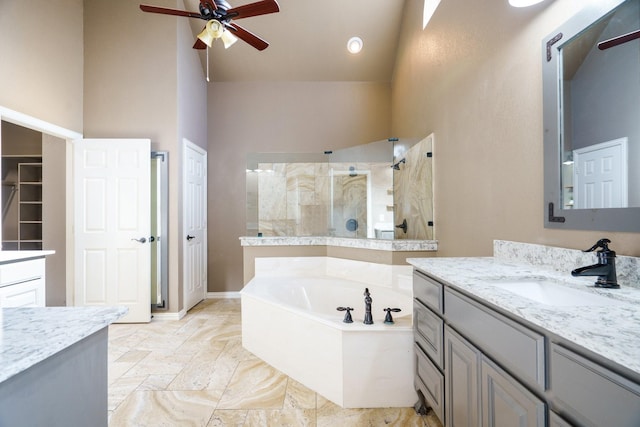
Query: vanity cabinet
point(481, 365)
point(468, 345)
point(22, 283)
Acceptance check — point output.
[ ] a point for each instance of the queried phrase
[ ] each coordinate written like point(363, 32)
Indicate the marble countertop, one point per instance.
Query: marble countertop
point(31, 335)
point(12, 256)
point(400, 245)
point(611, 330)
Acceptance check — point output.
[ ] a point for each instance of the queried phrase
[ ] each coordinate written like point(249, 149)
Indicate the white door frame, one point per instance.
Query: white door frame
point(186, 144)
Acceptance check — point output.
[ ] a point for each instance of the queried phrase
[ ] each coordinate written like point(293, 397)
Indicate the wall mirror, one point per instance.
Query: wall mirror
point(591, 98)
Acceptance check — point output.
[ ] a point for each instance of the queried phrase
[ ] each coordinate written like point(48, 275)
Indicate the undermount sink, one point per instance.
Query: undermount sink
point(551, 293)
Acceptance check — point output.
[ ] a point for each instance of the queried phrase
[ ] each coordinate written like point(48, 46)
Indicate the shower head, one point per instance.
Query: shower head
point(396, 166)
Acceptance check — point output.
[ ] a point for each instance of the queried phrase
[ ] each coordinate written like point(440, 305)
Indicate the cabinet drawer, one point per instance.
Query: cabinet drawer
point(591, 393)
point(21, 271)
point(511, 344)
point(429, 331)
point(427, 291)
point(430, 382)
point(26, 294)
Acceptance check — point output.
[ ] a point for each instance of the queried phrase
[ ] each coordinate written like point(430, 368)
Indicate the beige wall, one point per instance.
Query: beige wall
point(473, 77)
point(41, 60)
point(276, 117)
point(142, 82)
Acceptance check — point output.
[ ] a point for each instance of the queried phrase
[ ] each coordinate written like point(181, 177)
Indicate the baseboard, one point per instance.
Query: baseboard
point(217, 295)
point(158, 315)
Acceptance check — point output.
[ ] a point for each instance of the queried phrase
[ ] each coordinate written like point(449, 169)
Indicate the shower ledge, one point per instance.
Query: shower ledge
point(401, 245)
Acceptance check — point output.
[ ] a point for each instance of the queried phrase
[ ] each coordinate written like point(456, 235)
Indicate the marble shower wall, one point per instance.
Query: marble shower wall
point(296, 199)
point(413, 192)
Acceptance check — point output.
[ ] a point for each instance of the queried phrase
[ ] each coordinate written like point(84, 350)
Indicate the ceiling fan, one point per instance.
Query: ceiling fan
point(219, 16)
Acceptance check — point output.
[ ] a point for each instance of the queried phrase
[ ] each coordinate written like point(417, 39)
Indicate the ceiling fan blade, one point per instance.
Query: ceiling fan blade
point(247, 36)
point(166, 11)
point(254, 9)
point(199, 44)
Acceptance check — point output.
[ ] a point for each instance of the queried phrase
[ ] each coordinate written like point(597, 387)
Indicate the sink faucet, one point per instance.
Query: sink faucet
point(605, 269)
point(368, 318)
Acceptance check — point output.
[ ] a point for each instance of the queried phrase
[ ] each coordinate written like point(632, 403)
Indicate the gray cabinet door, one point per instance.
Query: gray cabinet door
point(506, 403)
point(593, 394)
point(462, 381)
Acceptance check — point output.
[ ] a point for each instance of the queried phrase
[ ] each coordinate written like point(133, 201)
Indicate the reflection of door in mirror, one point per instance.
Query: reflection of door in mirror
point(601, 93)
point(600, 175)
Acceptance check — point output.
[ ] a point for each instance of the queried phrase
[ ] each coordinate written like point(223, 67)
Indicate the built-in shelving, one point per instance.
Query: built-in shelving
point(27, 195)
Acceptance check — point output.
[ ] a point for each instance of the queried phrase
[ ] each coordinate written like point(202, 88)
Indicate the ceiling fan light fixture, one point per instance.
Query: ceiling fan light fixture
point(228, 39)
point(354, 45)
point(213, 30)
point(524, 3)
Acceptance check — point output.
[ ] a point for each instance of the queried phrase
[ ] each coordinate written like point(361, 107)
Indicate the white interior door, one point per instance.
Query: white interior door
point(194, 204)
point(112, 225)
point(600, 175)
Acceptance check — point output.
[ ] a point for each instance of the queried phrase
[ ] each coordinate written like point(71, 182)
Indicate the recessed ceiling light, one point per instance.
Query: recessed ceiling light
point(354, 45)
point(524, 3)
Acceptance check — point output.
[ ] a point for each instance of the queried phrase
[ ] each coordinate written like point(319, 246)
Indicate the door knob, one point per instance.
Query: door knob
point(190, 237)
point(140, 240)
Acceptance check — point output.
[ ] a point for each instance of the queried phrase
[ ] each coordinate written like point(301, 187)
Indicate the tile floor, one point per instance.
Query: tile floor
point(194, 372)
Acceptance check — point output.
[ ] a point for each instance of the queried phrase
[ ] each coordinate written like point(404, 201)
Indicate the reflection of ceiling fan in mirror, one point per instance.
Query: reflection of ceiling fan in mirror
point(219, 16)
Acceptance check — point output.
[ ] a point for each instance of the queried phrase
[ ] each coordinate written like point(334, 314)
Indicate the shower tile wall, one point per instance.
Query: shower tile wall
point(294, 199)
point(413, 190)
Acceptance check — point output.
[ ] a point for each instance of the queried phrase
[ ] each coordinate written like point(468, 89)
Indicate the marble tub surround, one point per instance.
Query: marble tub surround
point(289, 320)
point(396, 277)
point(610, 330)
point(30, 335)
point(344, 242)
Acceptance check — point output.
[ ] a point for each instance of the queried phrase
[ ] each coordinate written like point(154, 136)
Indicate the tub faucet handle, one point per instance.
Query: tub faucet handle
point(347, 315)
point(388, 319)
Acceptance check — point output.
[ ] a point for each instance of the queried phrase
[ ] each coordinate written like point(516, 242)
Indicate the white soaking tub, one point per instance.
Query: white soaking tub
point(289, 319)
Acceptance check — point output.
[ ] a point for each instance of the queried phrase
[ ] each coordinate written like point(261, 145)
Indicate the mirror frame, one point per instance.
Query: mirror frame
point(611, 219)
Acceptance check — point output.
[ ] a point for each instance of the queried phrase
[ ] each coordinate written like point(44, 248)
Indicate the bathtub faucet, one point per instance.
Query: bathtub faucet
point(347, 315)
point(368, 318)
point(388, 319)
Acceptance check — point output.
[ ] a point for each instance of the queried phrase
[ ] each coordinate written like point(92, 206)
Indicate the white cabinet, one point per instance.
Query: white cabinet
point(22, 283)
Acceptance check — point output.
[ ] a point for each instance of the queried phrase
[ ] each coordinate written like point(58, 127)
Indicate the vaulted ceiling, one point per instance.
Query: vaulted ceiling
point(308, 41)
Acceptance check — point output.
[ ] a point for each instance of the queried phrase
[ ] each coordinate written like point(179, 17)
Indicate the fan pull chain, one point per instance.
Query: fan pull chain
point(207, 64)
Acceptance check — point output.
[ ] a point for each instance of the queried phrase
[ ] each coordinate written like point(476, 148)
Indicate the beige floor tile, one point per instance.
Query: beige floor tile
point(156, 382)
point(195, 372)
point(228, 418)
point(120, 389)
point(165, 408)
point(254, 385)
point(298, 396)
point(284, 418)
point(133, 356)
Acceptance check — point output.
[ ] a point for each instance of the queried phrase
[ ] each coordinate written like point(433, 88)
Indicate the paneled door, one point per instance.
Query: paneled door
point(600, 175)
point(194, 204)
point(112, 225)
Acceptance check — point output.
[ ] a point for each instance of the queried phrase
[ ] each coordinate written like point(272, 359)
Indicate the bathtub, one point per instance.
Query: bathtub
point(289, 320)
